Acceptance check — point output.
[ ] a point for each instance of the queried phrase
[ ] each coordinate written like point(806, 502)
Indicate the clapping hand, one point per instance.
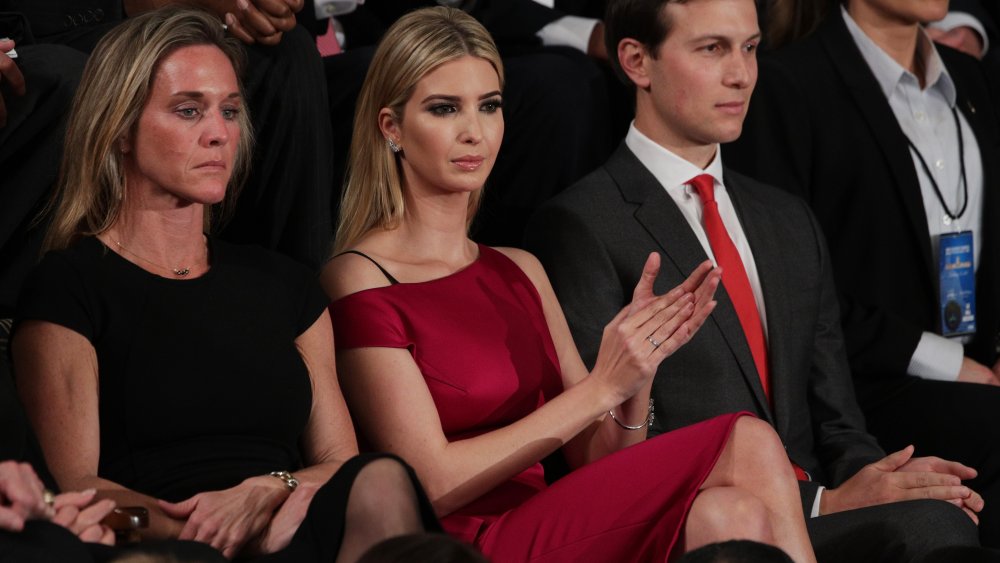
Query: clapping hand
point(652, 327)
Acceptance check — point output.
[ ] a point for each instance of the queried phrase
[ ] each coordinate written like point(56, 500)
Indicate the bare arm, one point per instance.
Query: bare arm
point(395, 410)
point(57, 379)
point(329, 438)
point(604, 436)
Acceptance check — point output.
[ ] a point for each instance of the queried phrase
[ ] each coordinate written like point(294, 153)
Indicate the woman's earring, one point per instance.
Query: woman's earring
point(393, 146)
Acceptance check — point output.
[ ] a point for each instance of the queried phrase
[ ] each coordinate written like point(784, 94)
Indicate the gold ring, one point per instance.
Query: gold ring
point(48, 497)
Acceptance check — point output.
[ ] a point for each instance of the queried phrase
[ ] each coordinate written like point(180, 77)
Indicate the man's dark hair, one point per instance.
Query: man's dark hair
point(642, 20)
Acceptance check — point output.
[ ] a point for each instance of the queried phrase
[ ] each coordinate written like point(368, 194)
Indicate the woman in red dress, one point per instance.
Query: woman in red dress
point(457, 356)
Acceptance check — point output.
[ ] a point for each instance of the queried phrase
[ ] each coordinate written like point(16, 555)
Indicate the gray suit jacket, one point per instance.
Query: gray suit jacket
point(593, 240)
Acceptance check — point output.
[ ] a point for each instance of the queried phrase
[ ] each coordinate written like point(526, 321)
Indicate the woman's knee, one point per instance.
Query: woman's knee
point(759, 451)
point(723, 513)
point(383, 485)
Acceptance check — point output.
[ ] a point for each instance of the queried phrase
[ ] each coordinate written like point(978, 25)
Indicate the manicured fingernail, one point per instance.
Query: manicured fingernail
point(88, 491)
point(243, 4)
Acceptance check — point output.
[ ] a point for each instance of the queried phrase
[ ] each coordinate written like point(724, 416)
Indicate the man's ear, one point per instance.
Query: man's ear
point(388, 125)
point(633, 56)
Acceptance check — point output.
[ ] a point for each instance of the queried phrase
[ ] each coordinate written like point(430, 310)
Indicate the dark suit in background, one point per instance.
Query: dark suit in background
point(31, 146)
point(593, 240)
point(820, 126)
point(285, 202)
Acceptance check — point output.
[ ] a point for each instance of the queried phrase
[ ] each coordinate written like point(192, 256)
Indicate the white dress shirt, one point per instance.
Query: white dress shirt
point(925, 116)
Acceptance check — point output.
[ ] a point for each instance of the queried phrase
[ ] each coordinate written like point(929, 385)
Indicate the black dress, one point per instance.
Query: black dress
point(201, 385)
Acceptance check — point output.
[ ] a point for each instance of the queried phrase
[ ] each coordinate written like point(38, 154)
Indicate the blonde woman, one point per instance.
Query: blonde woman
point(171, 370)
point(457, 357)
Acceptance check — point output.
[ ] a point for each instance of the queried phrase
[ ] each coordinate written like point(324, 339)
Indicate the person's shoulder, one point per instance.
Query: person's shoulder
point(771, 194)
point(597, 193)
point(528, 265)
point(523, 259)
point(348, 273)
point(81, 256)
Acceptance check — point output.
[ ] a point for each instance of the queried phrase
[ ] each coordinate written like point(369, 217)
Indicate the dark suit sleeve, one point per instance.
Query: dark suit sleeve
point(582, 274)
point(780, 146)
point(843, 445)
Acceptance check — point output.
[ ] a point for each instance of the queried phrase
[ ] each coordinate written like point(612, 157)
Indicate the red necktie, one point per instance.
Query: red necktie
point(737, 284)
point(734, 276)
point(327, 43)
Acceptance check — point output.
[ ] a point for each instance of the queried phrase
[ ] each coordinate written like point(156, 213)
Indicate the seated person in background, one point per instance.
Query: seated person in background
point(894, 144)
point(36, 90)
point(456, 355)
point(772, 345)
point(166, 368)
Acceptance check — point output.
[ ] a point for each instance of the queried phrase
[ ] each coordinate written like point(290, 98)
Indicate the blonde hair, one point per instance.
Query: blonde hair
point(114, 89)
point(415, 45)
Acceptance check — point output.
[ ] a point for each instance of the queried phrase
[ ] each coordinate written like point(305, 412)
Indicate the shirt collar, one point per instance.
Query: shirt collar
point(672, 171)
point(888, 73)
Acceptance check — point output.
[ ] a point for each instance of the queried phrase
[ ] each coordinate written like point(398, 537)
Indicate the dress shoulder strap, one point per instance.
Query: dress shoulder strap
point(388, 276)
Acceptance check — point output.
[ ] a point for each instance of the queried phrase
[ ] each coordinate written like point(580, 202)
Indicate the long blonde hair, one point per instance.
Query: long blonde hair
point(116, 83)
point(416, 44)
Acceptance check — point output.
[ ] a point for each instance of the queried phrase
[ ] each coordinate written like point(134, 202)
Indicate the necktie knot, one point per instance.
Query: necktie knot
point(704, 184)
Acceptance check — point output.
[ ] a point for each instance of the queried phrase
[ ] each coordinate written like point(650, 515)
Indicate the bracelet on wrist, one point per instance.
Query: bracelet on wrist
point(287, 478)
point(645, 423)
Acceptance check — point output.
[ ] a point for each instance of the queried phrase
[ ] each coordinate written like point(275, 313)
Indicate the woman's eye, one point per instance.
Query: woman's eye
point(188, 112)
point(443, 109)
point(491, 106)
point(230, 113)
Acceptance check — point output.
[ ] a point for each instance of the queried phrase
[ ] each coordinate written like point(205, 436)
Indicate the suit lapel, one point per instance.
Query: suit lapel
point(764, 241)
point(865, 91)
point(662, 220)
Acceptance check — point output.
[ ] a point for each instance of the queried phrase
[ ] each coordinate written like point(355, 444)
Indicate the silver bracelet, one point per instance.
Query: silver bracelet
point(645, 423)
point(287, 478)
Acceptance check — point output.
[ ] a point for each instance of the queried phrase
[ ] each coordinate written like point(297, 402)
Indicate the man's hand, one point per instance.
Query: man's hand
point(962, 38)
point(893, 479)
point(11, 78)
point(973, 503)
point(975, 372)
point(595, 46)
point(262, 21)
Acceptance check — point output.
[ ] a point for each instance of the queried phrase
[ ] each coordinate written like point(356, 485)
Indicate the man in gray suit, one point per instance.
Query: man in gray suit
point(773, 346)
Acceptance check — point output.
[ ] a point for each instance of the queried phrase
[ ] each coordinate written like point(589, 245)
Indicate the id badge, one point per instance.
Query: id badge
point(958, 284)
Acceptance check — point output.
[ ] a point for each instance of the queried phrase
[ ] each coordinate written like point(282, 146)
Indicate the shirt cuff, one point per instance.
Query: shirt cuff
point(329, 8)
point(936, 357)
point(815, 509)
point(568, 31)
point(960, 19)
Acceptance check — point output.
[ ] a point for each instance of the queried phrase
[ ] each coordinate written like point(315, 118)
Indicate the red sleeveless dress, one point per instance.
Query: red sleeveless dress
point(480, 339)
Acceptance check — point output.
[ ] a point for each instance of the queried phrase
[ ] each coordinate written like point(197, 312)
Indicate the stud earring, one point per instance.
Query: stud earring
point(393, 146)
